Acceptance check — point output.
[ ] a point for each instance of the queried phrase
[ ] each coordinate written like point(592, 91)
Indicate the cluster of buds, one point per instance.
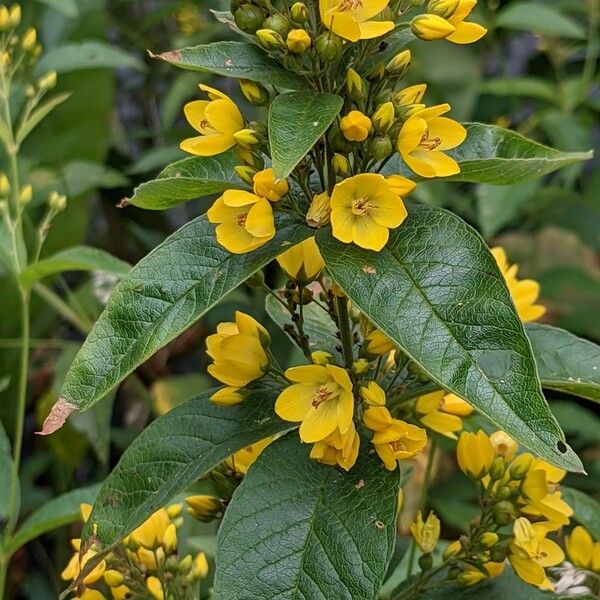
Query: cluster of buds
point(17, 49)
point(145, 565)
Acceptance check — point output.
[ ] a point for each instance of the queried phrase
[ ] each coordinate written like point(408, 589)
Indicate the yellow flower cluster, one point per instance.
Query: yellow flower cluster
point(145, 564)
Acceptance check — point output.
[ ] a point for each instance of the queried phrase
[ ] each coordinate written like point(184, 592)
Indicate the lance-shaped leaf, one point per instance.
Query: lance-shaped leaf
point(296, 529)
point(172, 453)
point(187, 179)
point(77, 258)
point(296, 121)
point(436, 290)
point(239, 60)
point(586, 509)
point(161, 296)
point(566, 363)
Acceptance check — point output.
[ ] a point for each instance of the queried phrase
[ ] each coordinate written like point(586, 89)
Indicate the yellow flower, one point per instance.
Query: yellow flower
point(351, 19)
point(530, 552)
point(155, 587)
point(430, 27)
point(364, 207)
point(378, 343)
point(442, 412)
point(238, 351)
point(524, 292)
point(216, 119)
point(338, 448)
point(204, 508)
point(581, 549)
point(244, 221)
point(423, 139)
point(152, 533)
point(266, 186)
point(503, 445)
point(372, 394)
point(241, 461)
point(426, 534)
point(393, 439)
point(465, 33)
point(298, 41)
point(76, 565)
point(303, 262)
point(319, 211)
point(320, 398)
point(474, 453)
point(200, 566)
point(355, 126)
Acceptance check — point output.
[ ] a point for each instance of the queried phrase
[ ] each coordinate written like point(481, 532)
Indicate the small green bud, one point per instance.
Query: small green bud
point(425, 562)
point(299, 12)
point(4, 185)
point(329, 47)
point(381, 147)
point(502, 493)
point(454, 572)
point(256, 280)
point(498, 468)
point(26, 195)
point(57, 202)
point(498, 554)
point(337, 141)
point(504, 513)
point(278, 23)
point(249, 18)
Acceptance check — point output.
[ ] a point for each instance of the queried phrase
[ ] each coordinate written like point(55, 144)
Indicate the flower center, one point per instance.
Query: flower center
point(241, 219)
point(428, 143)
point(398, 445)
point(362, 206)
point(350, 5)
point(322, 394)
point(204, 124)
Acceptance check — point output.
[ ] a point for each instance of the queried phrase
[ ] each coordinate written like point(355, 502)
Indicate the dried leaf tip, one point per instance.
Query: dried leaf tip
point(59, 413)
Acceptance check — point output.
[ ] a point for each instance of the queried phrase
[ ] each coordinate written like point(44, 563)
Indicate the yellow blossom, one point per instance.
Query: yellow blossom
point(426, 533)
point(319, 211)
point(465, 33)
point(423, 139)
point(355, 126)
point(303, 262)
point(151, 534)
point(298, 41)
point(431, 27)
point(378, 343)
point(238, 351)
point(372, 394)
point(76, 564)
point(244, 221)
point(364, 208)
point(351, 19)
point(338, 448)
point(393, 439)
point(503, 445)
point(91, 594)
point(581, 549)
point(524, 292)
point(241, 461)
point(442, 412)
point(267, 186)
point(474, 453)
point(228, 396)
point(320, 398)
point(530, 552)
point(204, 508)
point(216, 119)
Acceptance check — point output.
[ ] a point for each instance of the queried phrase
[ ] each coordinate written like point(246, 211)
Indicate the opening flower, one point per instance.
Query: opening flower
point(238, 351)
point(426, 533)
point(425, 136)
point(351, 19)
point(363, 209)
point(355, 126)
point(244, 221)
point(267, 186)
point(465, 33)
point(320, 398)
point(303, 262)
point(217, 120)
point(338, 448)
point(442, 412)
point(474, 453)
point(524, 292)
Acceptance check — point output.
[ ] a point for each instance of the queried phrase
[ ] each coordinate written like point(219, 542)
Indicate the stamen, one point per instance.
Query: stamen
point(362, 206)
point(349, 5)
point(428, 143)
point(241, 219)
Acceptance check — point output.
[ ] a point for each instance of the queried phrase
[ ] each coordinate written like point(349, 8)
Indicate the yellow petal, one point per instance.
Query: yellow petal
point(294, 402)
point(319, 422)
point(368, 234)
point(369, 9)
point(195, 114)
point(467, 33)
point(375, 29)
point(344, 25)
point(450, 132)
point(315, 374)
point(208, 145)
point(260, 222)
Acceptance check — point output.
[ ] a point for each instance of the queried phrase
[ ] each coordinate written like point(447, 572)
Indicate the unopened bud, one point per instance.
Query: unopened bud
point(504, 513)
point(498, 468)
point(14, 15)
point(246, 138)
point(113, 578)
point(360, 366)
point(29, 39)
point(185, 564)
point(277, 23)
point(254, 92)
point(519, 467)
point(320, 357)
point(319, 211)
point(340, 164)
point(47, 81)
point(298, 41)
point(205, 508)
point(26, 195)
point(502, 493)
point(355, 86)
point(489, 539)
point(4, 59)
point(329, 47)
point(425, 562)
point(431, 27)
point(57, 202)
point(381, 147)
point(443, 8)
point(245, 173)
point(384, 117)
point(4, 18)
point(337, 141)
point(270, 39)
point(377, 73)
point(399, 64)
point(4, 185)
point(299, 12)
point(249, 18)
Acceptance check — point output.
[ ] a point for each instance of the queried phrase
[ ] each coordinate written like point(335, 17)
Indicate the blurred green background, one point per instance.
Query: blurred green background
point(535, 72)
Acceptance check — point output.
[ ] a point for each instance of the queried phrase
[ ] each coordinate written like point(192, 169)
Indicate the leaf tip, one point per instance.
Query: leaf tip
point(123, 202)
point(172, 56)
point(59, 413)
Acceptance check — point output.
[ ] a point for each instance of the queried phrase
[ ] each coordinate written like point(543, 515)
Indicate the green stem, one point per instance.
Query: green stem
point(345, 330)
point(62, 308)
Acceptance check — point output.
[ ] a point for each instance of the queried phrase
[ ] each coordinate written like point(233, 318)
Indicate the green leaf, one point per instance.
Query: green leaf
point(436, 290)
point(318, 325)
point(239, 60)
point(56, 513)
point(296, 529)
point(39, 114)
point(541, 19)
point(6, 464)
point(296, 121)
point(187, 179)
point(66, 7)
point(80, 176)
point(77, 258)
point(532, 87)
point(164, 294)
point(86, 55)
point(172, 453)
point(586, 509)
point(566, 363)
point(492, 154)
point(394, 44)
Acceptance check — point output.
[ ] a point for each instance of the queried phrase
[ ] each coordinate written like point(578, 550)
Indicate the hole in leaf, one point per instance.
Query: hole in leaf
point(561, 446)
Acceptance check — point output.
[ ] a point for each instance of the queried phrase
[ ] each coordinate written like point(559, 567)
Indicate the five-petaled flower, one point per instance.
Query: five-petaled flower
point(352, 19)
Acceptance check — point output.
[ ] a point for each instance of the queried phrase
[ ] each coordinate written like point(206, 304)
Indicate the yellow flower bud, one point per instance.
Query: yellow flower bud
point(228, 396)
point(372, 394)
point(474, 453)
point(4, 59)
point(4, 185)
point(452, 549)
point(519, 467)
point(4, 18)
point(431, 27)
point(299, 12)
point(204, 508)
point(470, 577)
point(503, 444)
point(29, 39)
point(200, 567)
point(355, 86)
point(246, 138)
point(489, 539)
point(426, 534)
point(269, 39)
point(267, 186)
point(155, 587)
point(399, 64)
point(384, 117)
point(169, 541)
point(26, 194)
point(245, 173)
point(360, 366)
point(377, 73)
point(298, 41)
point(57, 202)
point(340, 164)
point(443, 8)
point(47, 81)
point(320, 357)
point(410, 95)
point(113, 578)
point(303, 262)
point(319, 211)
point(14, 15)
point(355, 126)
point(254, 92)
point(185, 564)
